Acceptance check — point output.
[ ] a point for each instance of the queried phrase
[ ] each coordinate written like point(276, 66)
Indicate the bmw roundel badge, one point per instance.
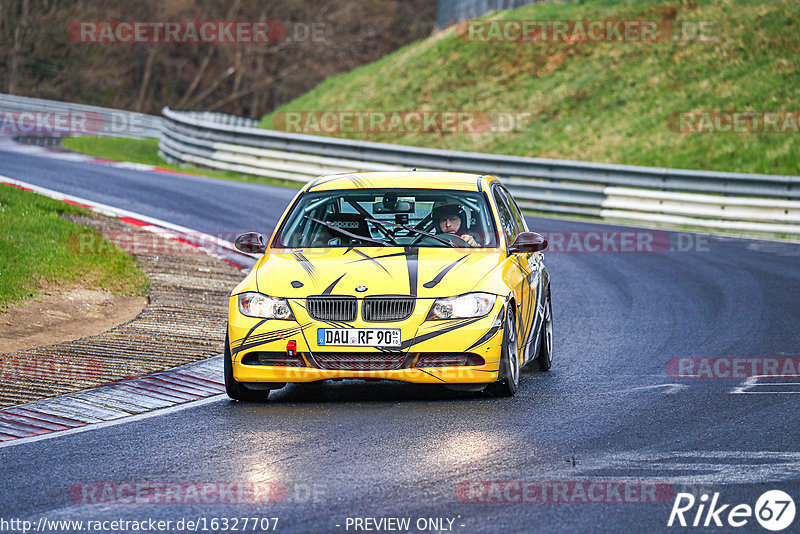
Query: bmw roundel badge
point(361, 289)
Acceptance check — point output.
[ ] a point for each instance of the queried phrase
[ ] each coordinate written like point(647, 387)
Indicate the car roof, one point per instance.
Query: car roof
point(406, 179)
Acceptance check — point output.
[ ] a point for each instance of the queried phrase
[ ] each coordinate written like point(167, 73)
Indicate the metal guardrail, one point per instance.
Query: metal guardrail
point(752, 202)
point(75, 119)
point(452, 11)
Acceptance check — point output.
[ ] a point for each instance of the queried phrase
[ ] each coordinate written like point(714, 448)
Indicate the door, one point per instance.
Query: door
point(529, 304)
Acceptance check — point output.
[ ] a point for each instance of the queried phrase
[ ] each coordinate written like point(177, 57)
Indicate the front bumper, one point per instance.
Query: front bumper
point(478, 336)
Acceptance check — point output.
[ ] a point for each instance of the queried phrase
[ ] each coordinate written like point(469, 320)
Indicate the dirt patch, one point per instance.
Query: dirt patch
point(63, 315)
point(184, 321)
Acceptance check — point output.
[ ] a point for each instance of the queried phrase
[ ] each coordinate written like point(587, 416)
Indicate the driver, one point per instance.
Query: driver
point(449, 218)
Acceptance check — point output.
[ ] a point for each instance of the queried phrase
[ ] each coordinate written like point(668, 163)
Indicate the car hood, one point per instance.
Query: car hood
point(423, 272)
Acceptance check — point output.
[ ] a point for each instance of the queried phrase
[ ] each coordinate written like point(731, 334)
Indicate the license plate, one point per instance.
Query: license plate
point(358, 337)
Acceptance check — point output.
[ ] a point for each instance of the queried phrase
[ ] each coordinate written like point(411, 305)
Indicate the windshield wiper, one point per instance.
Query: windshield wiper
point(365, 213)
point(416, 231)
point(348, 234)
point(380, 226)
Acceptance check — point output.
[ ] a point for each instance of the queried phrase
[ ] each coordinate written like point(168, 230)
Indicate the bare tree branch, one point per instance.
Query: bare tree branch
point(265, 83)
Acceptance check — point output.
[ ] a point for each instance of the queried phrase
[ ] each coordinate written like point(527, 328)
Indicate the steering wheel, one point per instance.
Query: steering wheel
point(455, 239)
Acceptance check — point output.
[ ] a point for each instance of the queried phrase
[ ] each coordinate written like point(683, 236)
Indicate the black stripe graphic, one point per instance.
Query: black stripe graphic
point(355, 181)
point(359, 182)
point(412, 255)
point(333, 284)
point(484, 338)
point(319, 181)
point(532, 298)
point(271, 337)
point(434, 376)
point(443, 272)
point(262, 335)
point(262, 321)
point(405, 253)
point(530, 320)
point(373, 260)
point(430, 335)
point(306, 264)
point(313, 184)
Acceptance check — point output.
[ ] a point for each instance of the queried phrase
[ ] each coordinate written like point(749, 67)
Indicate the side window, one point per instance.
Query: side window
point(515, 211)
point(506, 219)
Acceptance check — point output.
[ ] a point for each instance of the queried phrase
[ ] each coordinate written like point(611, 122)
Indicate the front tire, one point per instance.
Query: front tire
point(508, 380)
point(236, 390)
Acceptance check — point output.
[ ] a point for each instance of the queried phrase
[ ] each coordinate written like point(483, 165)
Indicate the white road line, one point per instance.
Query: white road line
point(113, 403)
point(694, 467)
point(671, 388)
point(121, 401)
point(114, 422)
point(747, 387)
point(156, 225)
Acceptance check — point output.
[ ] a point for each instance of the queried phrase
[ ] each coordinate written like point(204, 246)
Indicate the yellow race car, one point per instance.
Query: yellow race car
point(417, 276)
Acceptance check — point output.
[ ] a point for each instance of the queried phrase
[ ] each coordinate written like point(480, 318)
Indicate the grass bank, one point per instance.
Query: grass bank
point(600, 101)
point(37, 247)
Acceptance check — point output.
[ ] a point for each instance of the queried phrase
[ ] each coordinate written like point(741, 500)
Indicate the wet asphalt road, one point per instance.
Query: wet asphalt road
point(607, 412)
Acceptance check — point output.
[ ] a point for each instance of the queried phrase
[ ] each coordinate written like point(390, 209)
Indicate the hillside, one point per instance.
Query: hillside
point(43, 53)
point(604, 101)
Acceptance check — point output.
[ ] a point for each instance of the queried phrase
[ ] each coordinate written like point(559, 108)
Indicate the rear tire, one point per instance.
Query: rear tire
point(236, 390)
point(544, 360)
point(508, 379)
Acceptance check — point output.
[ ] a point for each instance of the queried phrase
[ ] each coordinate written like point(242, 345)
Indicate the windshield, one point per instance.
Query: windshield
point(389, 217)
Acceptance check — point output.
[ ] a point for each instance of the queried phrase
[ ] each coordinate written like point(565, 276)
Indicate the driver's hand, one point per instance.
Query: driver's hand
point(469, 239)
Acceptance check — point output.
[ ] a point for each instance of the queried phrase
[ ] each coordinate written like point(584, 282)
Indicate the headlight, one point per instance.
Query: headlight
point(469, 305)
point(258, 305)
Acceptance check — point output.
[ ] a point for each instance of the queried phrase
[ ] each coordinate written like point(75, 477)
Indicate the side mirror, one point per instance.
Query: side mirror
point(251, 243)
point(528, 242)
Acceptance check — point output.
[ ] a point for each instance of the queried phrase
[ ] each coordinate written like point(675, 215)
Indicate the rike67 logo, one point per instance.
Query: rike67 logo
point(774, 510)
